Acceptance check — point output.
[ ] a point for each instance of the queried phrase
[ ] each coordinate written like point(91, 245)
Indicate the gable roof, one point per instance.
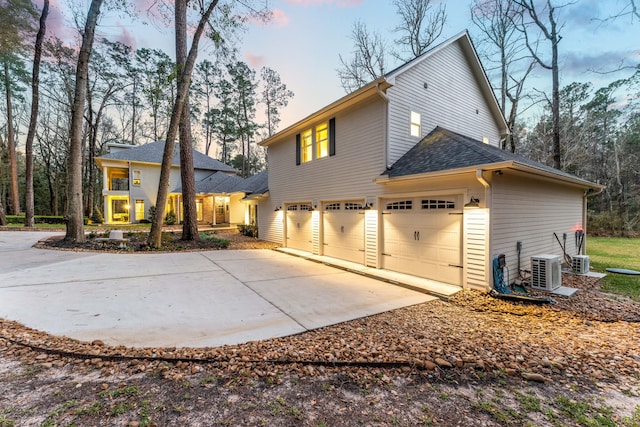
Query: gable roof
point(153, 152)
point(381, 84)
point(443, 152)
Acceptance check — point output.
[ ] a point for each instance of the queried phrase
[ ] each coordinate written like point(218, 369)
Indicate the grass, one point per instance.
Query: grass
point(618, 252)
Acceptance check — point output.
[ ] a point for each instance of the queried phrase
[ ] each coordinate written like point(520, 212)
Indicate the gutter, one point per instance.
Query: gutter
point(385, 98)
point(485, 184)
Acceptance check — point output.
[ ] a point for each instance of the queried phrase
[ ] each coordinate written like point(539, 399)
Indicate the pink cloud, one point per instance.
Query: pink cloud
point(56, 25)
point(125, 37)
point(339, 3)
point(254, 61)
point(280, 18)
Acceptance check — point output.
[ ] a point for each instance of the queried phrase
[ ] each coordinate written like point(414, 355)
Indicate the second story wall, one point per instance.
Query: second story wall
point(451, 99)
point(358, 159)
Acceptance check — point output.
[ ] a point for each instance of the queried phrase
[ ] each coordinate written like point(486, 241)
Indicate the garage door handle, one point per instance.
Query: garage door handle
point(456, 266)
point(386, 254)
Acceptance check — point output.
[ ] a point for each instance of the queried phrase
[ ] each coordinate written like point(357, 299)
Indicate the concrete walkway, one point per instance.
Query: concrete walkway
point(190, 299)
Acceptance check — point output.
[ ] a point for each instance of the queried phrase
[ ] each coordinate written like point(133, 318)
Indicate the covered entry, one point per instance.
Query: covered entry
point(299, 226)
point(343, 230)
point(422, 236)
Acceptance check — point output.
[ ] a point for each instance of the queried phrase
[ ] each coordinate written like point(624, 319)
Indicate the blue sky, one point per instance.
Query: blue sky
point(304, 39)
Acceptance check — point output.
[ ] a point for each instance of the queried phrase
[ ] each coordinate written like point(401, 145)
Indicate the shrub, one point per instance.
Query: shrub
point(170, 218)
point(97, 216)
point(250, 230)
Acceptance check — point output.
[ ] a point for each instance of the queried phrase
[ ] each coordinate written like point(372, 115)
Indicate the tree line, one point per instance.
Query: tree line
point(126, 96)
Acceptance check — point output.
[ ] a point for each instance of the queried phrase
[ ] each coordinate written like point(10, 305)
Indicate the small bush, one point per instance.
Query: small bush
point(97, 216)
point(249, 230)
point(170, 218)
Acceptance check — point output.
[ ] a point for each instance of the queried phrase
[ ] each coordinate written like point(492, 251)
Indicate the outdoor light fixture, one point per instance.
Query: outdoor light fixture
point(277, 209)
point(473, 203)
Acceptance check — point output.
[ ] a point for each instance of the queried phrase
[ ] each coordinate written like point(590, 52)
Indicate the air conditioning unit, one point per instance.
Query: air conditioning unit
point(546, 274)
point(580, 264)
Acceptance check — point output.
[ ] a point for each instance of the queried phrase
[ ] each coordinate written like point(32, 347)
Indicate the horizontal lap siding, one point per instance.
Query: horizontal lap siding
point(359, 159)
point(450, 100)
point(530, 211)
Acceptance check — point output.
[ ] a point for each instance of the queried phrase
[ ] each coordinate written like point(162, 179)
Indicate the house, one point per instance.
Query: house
point(130, 186)
point(406, 174)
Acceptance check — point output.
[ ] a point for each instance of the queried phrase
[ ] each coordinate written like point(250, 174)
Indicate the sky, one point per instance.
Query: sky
point(304, 39)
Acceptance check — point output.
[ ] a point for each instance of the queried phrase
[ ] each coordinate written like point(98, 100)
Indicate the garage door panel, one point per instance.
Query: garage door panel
point(299, 228)
point(421, 241)
point(343, 233)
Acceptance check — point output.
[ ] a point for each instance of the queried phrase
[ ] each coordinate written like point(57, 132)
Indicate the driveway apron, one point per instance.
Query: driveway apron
point(188, 299)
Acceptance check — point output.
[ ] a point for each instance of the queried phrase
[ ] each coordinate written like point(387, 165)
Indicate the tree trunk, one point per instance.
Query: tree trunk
point(11, 146)
point(75, 219)
point(190, 219)
point(29, 204)
point(555, 101)
point(184, 78)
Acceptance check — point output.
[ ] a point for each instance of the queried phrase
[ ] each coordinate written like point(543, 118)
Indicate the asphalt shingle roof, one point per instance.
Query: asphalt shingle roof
point(443, 149)
point(219, 183)
point(153, 152)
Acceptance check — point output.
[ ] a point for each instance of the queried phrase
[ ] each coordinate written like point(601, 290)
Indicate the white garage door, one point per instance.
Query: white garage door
point(343, 235)
point(423, 237)
point(299, 227)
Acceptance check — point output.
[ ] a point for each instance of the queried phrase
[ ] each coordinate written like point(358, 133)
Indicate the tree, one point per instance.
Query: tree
point(158, 73)
point(222, 119)
point(75, 218)
point(275, 96)
point(204, 87)
point(244, 85)
point(504, 46)
point(35, 86)
point(420, 26)
point(550, 30)
point(184, 78)
point(16, 24)
point(190, 224)
point(368, 61)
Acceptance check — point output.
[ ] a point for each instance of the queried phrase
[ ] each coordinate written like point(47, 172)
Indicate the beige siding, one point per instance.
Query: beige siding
point(236, 209)
point(349, 174)
point(530, 211)
point(452, 100)
point(476, 242)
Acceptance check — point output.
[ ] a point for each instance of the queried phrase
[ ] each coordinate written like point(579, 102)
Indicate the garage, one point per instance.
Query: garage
point(423, 237)
point(299, 227)
point(343, 230)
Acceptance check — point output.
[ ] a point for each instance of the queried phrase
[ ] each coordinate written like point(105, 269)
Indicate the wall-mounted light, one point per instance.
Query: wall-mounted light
point(425, 85)
point(473, 203)
point(277, 209)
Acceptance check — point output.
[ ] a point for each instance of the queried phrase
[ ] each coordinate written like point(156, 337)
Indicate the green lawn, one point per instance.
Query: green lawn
point(619, 252)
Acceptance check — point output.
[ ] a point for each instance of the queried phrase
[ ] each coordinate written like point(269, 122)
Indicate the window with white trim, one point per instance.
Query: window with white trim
point(306, 146)
point(139, 210)
point(416, 126)
point(322, 140)
point(136, 177)
point(351, 206)
point(438, 204)
point(400, 205)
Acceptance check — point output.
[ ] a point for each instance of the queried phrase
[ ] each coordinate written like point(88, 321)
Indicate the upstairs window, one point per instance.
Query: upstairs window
point(306, 146)
point(415, 124)
point(322, 140)
point(136, 177)
point(316, 142)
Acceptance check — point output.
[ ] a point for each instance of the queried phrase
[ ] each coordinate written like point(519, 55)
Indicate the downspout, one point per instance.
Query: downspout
point(590, 192)
point(485, 184)
point(385, 98)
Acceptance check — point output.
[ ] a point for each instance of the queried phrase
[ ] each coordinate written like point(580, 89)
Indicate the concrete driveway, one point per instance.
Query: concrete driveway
point(191, 299)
